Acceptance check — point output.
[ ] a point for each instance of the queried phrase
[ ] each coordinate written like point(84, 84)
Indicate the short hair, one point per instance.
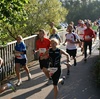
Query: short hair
point(55, 40)
point(42, 30)
point(19, 36)
point(70, 25)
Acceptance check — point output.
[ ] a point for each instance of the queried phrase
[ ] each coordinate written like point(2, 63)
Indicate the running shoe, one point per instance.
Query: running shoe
point(62, 82)
point(29, 76)
point(19, 83)
point(12, 86)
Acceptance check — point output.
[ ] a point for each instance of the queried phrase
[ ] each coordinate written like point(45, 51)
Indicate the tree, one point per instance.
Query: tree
point(25, 18)
point(82, 9)
point(11, 14)
point(41, 12)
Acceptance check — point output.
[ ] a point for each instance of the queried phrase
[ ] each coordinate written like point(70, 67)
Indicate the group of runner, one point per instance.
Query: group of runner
point(50, 54)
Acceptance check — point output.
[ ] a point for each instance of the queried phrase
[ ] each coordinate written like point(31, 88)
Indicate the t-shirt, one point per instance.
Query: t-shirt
point(88, 34)
point(70, 36)
point(42, 46)
point(80, 31)
point(95, 28)
point(20, 47)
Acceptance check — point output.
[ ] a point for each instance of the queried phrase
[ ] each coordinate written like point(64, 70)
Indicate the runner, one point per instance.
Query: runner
point(7, 85)
point(20, 59)
point(88, 35)
point(55, 35)
point(80, 31)
point(54, 63)
point(95, 28)
point(72, 39)
point(43, 44)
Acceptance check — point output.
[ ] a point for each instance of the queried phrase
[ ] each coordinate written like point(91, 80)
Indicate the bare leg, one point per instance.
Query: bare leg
point(55, 91)
point(17, 69)
point(46, 72)
point(3, 88)
point(27, 71)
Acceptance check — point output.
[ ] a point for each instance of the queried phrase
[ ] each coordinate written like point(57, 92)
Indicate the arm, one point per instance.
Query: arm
point(65, 42)
point(66, 54)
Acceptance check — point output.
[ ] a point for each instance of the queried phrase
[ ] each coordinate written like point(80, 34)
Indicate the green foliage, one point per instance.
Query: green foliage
point(86, 9)
point(41, 12)
point(12, 14)
point(12, 10)
point(25, 18)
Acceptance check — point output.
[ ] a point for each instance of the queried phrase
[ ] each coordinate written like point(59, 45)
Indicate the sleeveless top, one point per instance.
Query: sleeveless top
point(54, 58)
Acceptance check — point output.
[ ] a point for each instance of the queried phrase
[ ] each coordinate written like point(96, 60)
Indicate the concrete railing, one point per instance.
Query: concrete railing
point(6, 53)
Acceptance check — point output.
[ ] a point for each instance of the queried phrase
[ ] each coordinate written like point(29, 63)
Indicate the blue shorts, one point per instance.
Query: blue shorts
point(21, 61)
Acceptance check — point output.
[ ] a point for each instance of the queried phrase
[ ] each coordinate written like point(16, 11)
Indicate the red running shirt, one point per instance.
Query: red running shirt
point(88, 34)
point(42, 46)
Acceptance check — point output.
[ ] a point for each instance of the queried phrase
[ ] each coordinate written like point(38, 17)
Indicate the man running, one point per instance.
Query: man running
point(55, 65)
point(72, 39)
point(80, 31)
point(43, 44)
point(88, 35)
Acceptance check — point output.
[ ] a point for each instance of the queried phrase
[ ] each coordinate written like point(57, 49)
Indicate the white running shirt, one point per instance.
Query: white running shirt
point(71, 36)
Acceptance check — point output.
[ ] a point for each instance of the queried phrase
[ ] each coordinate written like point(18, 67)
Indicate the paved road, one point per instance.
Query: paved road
point(79, 84)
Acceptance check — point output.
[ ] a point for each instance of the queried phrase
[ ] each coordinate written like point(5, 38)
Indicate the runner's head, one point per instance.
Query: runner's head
point(69, 28)
point(41, 33)
point(88, 24)
point(54, 30)
point(19, 38)
point(54, 42)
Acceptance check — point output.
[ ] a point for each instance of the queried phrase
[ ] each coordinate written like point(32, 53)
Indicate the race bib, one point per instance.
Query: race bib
point(52, 70)
point(17, 55)
point(42, 50)
point(87, 37)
